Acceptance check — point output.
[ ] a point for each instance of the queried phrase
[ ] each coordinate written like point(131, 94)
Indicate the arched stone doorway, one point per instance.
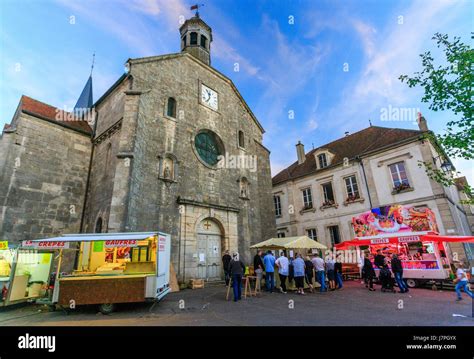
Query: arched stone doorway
point(209, 246)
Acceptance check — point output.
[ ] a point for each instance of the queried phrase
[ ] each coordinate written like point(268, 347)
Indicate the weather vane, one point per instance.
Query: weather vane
point(196, 7)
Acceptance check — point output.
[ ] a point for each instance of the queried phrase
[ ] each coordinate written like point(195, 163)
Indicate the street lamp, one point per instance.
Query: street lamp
point(447, 167)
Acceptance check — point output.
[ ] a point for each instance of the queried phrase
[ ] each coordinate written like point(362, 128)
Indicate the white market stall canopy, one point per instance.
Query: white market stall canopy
point(301, 242)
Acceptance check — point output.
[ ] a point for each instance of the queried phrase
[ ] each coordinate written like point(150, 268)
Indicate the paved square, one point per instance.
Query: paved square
point(353, 305)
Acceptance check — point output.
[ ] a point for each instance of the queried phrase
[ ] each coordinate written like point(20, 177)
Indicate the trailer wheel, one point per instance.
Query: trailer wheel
point(411, 283)
point(106, 308)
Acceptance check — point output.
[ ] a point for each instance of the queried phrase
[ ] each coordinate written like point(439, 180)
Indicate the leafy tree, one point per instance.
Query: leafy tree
point(449, 87)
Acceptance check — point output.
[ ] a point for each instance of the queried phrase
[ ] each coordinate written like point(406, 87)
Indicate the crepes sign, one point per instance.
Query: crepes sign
point(121, 243)
point(45, 244)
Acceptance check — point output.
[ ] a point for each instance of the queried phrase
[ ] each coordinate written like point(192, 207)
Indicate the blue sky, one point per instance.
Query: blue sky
point(335, 67)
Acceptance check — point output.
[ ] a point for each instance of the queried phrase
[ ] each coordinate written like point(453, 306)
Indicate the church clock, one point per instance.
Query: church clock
point(209, 97)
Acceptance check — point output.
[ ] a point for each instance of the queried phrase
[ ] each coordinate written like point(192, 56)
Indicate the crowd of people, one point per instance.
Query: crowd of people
point(327, 272)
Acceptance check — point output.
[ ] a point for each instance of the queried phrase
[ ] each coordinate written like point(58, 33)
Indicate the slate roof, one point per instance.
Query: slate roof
point(357, 144)
point(52, 114)
point(85, 99)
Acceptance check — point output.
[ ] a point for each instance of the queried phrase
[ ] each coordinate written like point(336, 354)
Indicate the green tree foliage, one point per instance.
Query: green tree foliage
point(449, 87)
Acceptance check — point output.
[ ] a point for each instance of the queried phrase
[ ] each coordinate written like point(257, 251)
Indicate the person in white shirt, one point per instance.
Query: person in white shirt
point(462, 282)
point(283, 265)
point(318, 264)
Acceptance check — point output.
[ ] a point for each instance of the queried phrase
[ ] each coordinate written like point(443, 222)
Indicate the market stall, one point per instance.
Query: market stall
point(292, 245)
point(412, 233)
point(114, 268)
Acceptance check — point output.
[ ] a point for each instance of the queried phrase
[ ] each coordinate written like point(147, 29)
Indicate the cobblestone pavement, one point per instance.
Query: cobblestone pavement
point(353, 305)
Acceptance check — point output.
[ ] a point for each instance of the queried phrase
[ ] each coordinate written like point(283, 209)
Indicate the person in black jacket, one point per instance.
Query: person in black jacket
point(397, 270)
point(226, 258)
point(369, 273)
point(379, 259)
point(237, 270)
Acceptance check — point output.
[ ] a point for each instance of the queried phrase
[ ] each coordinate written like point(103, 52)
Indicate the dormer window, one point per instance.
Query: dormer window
point(194, 38)
point(322, 160)
point(203, 41)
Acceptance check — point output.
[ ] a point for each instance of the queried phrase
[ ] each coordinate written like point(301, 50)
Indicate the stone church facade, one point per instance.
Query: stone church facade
point(173, 147)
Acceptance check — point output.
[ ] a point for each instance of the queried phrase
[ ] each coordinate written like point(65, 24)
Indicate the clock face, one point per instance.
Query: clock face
point(209, 97)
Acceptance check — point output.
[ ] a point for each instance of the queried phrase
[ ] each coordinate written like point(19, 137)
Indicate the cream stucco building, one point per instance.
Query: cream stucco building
point(320, 193)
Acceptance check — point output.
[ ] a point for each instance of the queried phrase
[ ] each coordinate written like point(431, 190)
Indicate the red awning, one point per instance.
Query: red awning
point(429, 237)
point(439, 238)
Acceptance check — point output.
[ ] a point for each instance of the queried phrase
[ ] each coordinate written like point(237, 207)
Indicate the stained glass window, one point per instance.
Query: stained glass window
point(207, 147)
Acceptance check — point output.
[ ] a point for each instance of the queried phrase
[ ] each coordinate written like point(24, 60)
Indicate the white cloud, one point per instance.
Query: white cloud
point(367, 34)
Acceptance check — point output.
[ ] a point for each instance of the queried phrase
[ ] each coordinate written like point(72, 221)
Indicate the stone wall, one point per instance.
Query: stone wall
point(43, 179)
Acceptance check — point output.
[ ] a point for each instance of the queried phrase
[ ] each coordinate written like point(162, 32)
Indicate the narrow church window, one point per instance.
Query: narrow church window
point(184, 41)
point(241, 139)
point(194, 38)
point(171, 111)
point(98, 225)
point(203, 41)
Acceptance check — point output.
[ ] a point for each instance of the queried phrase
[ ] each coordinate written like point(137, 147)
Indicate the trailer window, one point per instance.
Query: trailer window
point(140, 254)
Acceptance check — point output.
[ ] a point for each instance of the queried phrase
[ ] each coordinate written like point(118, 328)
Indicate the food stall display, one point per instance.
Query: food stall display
point(25, 271)
point(113, 268)
point(410, 232)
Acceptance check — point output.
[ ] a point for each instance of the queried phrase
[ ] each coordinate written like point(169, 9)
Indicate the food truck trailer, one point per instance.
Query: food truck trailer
point(412, 233)
point(111, 268)
point(25, 271)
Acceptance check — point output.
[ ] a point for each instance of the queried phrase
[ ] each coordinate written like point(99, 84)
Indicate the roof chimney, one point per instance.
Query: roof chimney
point(300, 152)
point(422, 124)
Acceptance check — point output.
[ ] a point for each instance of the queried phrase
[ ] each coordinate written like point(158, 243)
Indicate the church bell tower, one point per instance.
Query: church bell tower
point(196, 38)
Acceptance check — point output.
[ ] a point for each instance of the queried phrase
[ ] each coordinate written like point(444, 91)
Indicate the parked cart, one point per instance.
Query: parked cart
point(113, 268)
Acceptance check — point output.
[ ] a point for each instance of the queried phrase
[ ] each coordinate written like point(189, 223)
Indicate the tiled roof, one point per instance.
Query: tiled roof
point(356, 144)
point(53, 114)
